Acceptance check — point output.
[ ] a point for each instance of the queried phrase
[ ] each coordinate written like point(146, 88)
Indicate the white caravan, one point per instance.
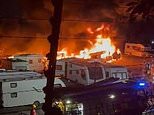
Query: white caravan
point(88, 72)
point(116, 71)
point(18, 89)
point(81, 71)
point(14, 73)
point(32, 62)
point(138, 50)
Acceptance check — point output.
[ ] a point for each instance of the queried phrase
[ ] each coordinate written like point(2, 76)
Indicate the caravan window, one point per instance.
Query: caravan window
point(13, 85)
point(58, 67)
point(77, 71)
point(114, 75)
point(70, 72)
point(30, 61)
point(95, 73)
point(128, 46)
point(107, 74)
point(21, 68)
point(121, 75)
point(39, 60)
point(83, 74)
point(14, 95)
point(124, 75)
point(70, 65)
point(57, 85)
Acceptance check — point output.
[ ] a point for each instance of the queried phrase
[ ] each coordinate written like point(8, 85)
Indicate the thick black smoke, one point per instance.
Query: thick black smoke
point(20, 23)
point(28, 19)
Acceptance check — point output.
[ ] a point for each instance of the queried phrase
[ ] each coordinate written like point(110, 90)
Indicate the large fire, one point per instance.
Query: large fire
point(101, 48)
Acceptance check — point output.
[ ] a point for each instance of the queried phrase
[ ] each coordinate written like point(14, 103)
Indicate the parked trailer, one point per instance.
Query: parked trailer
point(32, 62)
point(9, 73)
point(88, 72)
point(18, 89)
point(138, 50)
point(81, 71)
point(116, 71)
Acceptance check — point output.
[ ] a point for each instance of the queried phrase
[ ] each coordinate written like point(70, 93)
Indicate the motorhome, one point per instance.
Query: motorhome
point(32, 62)
point(21, 88)
point(138, 50)
point(88, 72)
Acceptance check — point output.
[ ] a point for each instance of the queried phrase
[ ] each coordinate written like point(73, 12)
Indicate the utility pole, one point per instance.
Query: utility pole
point(55, 21)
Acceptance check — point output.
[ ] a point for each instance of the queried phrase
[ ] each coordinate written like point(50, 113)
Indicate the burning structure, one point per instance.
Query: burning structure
point(101, 48)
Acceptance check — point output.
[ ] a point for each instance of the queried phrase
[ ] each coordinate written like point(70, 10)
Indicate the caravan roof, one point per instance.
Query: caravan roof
point(113, 66)
point(81, 62)
point(14, 75)
point(25, 55)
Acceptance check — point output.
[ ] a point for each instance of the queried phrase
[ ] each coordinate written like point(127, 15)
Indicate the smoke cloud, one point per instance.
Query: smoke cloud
point(24, 24)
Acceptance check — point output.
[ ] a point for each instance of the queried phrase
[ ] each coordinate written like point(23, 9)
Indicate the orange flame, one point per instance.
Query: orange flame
point(90, 30)
point(102, 48)
point(100, 28)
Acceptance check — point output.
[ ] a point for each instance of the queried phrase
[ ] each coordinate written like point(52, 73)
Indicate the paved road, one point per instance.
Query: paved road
point(23, 110)
point(38, 112)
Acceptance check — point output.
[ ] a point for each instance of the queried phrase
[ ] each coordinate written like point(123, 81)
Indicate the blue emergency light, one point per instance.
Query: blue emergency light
point(141, 84)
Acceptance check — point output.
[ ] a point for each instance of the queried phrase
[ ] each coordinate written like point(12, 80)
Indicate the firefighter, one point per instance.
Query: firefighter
point(33, 111)
point(61, 106)
point(58, 107)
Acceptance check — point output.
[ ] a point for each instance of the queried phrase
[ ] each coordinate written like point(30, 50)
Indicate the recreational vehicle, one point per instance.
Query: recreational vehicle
point(88, 72)
point(32, 62)
point(116, 71)
point(138, 50)
point(81, 71)
point(21, 88)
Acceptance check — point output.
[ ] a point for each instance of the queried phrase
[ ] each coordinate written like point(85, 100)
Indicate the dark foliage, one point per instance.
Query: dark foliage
point(141, 8)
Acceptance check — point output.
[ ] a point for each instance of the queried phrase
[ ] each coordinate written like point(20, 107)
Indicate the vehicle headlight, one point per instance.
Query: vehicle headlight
point(68, 101)
point(112, 96)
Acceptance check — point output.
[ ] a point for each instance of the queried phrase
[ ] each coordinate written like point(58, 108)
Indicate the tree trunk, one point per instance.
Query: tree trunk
point(50, 73)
